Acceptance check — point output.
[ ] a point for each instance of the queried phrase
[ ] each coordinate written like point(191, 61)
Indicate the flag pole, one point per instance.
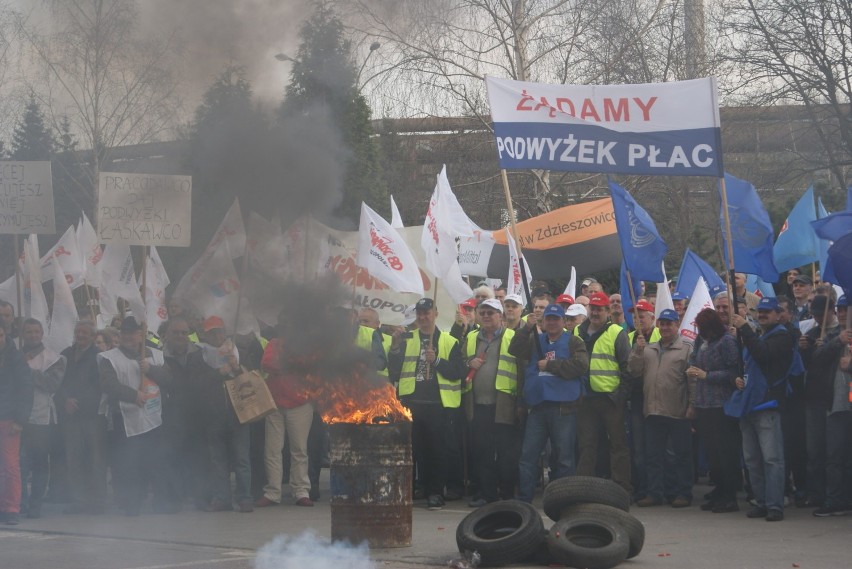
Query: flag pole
point(633, 300)
point(730, 246)
point(89, 302)
point(18, 278)
point(243, 271)
point(144, 317)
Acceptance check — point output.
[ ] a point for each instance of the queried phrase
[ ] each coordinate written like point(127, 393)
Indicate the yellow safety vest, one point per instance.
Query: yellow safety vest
point(507, 365)
point(450, 390)
point(364, 340)
point(386, 344)
point(604, 371)
point(655, 336)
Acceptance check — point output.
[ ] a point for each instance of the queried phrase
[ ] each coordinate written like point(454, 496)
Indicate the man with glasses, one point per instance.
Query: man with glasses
point(490, 393)
point(513, 308)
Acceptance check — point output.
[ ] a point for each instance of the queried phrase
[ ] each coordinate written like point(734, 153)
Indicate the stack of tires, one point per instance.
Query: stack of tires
point(593, 528)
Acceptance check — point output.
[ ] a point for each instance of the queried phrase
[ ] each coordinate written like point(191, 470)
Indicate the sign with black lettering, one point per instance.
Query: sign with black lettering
point(144, 209)
point(26, 198)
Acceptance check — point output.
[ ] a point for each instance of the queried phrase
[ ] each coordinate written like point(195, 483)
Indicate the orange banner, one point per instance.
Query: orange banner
point(567, 225)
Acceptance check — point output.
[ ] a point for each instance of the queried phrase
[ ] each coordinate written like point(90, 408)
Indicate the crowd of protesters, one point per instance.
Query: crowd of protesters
point(759, 402)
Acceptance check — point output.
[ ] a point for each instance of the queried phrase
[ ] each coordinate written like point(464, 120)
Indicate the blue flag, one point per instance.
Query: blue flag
point(751, 231)
point(691, 269)
point(624, 289)
point(824, 244)
point(834, 226)
point(642, 247)
point(797, 244)
point(759, 286)
point(839, 268)
point(849, 198)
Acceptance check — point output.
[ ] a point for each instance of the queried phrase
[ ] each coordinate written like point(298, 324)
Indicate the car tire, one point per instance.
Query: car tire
point(502, 532)
point(564, 492)
point(634, 528)
point(591, 541)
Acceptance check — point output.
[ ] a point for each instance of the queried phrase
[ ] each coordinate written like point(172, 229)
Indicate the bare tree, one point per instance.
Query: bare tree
point(798, 52)
point(114, 85)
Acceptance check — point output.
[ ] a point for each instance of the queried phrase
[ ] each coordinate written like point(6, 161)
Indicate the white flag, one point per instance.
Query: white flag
point(699, 300)
point(230, 236)
point(156, 281)
point(664, 296)
point(9, 293)
point(383, 252)
point(64, 316)
point(396, 218)
point(87, 243)
point(118, 280)
point(213, 289)
point(67, 253)
point(35, 304)
point(571, 289)
point(515, 285)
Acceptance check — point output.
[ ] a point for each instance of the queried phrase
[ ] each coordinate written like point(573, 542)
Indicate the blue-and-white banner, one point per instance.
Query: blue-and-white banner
point(669, 129)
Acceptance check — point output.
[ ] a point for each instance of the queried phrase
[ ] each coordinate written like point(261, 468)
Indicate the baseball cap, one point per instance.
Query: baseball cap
point(469, 303)
point(768, 303)
point(643, 305)
point(679, 296)
point(842, 301)
point(567, 298)
point(424, 304)
point(130, 324)
point(669, 314)
point(493, 303)
point(599, 299)
point(804, 279)
point(212, 323)
point(576, 310)
point(588, 280)
point(516, 298)
point(554, 310)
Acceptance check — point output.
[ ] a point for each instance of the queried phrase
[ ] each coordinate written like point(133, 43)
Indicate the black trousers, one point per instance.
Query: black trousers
point(86, 457)
point(496, 451)
point(429, 445)
point(35, 462)
point(722, 442)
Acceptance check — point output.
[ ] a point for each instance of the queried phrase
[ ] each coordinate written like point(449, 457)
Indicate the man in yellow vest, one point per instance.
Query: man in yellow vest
point(369, 318)
point(603, 406)
point(489, 396)
point(643, 319)
point(429, 368)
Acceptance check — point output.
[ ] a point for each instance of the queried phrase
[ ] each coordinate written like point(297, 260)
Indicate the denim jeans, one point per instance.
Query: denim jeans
point(229, 448)
point(546, 421)
point(659, 431)
point(763, 449)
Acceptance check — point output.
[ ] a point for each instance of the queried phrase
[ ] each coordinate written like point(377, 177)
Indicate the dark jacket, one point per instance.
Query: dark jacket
point(16, 389)
point(774, 355)
point(81, 382)
point(821, 365)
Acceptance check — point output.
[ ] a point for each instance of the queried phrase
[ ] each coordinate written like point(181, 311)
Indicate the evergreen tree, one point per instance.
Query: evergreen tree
point(324, 79)
point(32, 140)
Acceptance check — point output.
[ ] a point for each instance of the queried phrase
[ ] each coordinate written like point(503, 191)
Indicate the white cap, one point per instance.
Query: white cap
point(576, 310)
point(492, 303)
point(516, 298)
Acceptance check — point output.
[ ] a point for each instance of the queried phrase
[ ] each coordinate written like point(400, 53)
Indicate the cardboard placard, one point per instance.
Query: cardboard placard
point(250, 397)
point(26, 198)
point(144, 209)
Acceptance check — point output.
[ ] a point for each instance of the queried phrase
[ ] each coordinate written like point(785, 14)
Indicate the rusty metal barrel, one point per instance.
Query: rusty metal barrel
point(371, 483)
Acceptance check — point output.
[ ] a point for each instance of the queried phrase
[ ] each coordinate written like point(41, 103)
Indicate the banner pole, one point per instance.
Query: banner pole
point(243, 271)
point(517, 238)
point(144, 317)
point(18, 278)
point(730, 246)
point(825, 315)
point(89, 302)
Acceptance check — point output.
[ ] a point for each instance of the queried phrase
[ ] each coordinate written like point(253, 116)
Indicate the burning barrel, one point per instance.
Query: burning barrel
point(371, 483)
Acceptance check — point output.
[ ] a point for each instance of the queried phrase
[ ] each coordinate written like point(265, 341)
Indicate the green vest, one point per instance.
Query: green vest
point(386, 344)
point(604, 374)
point(450, 390)
point(655, 336)
point(507, 365)
point(364, 340)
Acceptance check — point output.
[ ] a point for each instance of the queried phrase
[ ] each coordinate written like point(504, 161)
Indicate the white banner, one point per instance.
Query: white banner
point(144, 209)
point(26, 198)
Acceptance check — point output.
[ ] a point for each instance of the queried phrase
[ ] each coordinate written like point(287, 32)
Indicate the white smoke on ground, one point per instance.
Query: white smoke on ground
point(309, 551)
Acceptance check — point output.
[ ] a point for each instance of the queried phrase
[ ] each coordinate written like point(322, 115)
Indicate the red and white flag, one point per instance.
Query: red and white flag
point(571, 287)
point(67, 254)
point(64, 316)
point(118, 280)
point(515, 283)
point(91, 250)
point(156, 281)
point(385, 255)
point(664, 296)
point(699, 300)
point(35, 303)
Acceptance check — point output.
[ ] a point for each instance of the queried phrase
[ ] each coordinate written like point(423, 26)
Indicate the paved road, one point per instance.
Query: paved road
point(677, 539)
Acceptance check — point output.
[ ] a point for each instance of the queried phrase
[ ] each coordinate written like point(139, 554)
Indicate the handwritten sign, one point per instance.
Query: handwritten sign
point(26, 198)
point(144, 209)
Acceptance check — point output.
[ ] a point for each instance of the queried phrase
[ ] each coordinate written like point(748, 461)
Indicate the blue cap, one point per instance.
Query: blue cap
point(842, 301)
point(669, 314)
point(554, 310)
point(679, 296)
point(717, 290)
point(768, 303)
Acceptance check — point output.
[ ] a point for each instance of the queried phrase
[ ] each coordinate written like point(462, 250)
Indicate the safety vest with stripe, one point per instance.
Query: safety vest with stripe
point(450, 390)
point(604, 371)
point(507, 365)
point(364, 340)
point(655, 336)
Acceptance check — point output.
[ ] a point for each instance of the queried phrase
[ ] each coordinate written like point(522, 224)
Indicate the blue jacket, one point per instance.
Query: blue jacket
point(16, 387)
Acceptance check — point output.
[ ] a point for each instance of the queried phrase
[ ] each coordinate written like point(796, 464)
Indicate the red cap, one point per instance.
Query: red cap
point(598, 299)
point(643, 305)
point(212, 323)
point(566, 298)
point(469, 303)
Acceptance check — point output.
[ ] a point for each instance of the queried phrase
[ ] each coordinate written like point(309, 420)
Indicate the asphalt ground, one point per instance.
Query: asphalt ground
point(683, 539)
